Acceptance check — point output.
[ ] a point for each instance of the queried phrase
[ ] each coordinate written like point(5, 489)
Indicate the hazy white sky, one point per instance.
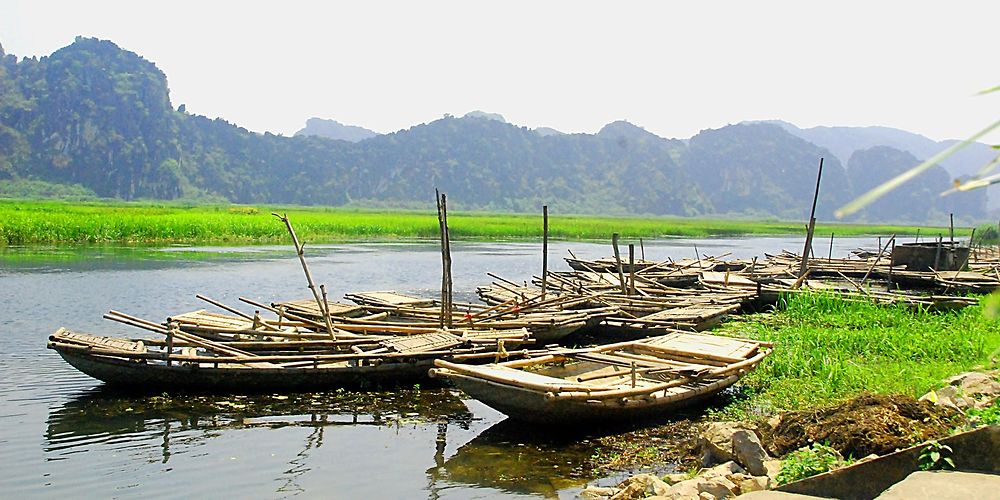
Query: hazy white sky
point(672, 68)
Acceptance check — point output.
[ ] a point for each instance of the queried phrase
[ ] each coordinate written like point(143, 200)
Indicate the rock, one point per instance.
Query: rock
point(749, 452)
point(773, 468)
point(597, 492)
point(975, 384)
point(717, 441)
point(950, 396)
point(676, 478)
point(684, 490)
point(707, 496)
point(724, 441)
point(752, 483)
point(944, 485)
point(722, 470)
point(640, 486)
point(718, 487)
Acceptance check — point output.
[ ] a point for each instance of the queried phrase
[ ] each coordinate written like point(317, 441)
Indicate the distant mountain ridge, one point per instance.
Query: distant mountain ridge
point(332, 129)
point(845, 141)
point(98, 116)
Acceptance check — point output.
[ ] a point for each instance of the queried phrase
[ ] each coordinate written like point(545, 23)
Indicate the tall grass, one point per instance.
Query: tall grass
point(827, 349)
point(34, 222)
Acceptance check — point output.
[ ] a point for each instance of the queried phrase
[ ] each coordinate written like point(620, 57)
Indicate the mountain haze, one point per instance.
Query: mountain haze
point(845, 141)
point(100, 117)
point(332, 129)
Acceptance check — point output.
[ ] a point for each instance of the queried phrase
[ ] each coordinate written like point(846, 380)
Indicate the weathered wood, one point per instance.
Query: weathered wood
point(300, 251)
point(545, 249)
point(618, 262)
point(631, 269)
point(812, 223)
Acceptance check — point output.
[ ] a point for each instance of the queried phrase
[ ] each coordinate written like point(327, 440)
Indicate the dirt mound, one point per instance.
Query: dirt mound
point(864, 425)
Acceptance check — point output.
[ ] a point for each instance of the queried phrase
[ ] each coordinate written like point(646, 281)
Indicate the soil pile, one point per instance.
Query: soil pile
point(864, 425)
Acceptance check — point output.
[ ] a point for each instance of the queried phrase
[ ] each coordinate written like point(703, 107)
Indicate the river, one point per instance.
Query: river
point(64, 434)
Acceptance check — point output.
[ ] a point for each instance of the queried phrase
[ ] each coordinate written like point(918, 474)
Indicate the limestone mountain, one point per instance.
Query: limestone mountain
point(99, 118)
point(920, 201)
point(332, 129)
point(760, 169)
point(845, 141)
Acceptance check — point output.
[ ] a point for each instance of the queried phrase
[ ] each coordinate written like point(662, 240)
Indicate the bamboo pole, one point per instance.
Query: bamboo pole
point(877, 258)
point(631, 269)
point(618, 262)
point(446, 281)
point(812, 223)
point(545, 249)
point(951, 229)
point(236, 311)
point(300, 251)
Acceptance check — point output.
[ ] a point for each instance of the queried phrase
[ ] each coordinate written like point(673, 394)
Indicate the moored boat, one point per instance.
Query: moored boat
point(619, 382)
point(191, 363)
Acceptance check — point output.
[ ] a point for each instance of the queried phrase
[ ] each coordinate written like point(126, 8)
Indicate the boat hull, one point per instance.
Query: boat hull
point(238, 379)
point(534, 406)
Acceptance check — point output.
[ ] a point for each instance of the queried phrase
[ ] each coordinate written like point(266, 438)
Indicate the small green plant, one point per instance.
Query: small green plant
point(985, 416)
point(806, 462)
point(934, 456)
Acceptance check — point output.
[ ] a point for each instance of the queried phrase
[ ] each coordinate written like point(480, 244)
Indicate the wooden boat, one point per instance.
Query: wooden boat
point(623, 381)
point(189, 362)
point(546, 325)
point(698, 317)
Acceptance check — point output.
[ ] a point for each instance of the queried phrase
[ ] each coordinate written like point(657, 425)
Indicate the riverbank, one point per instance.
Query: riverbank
point(832, 359)
point(60, 222)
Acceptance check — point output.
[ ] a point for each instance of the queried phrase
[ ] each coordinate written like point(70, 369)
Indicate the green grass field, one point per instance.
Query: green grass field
point(58, 222)
point(828, 349)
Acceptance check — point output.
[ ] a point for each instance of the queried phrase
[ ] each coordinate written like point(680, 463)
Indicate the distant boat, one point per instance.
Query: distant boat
point(615, 382)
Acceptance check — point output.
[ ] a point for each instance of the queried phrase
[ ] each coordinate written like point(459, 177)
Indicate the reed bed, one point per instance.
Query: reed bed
point(828, 349)
point(60, 222)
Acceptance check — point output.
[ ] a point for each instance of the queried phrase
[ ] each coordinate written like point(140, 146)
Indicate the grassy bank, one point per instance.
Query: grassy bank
point(828, 349)
point(46, 222)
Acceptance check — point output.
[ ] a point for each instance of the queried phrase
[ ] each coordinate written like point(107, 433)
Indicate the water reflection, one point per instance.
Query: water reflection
point(164, 425)
point(515, 457)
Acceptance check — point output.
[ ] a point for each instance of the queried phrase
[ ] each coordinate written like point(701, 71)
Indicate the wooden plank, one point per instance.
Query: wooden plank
point(389, 298)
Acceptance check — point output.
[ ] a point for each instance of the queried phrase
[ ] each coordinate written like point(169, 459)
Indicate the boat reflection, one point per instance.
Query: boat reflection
point(108, 417)
point(516, 458)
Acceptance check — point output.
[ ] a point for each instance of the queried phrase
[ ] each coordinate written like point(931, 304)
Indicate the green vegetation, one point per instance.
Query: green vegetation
point(934, 456)
point(806, 462)
point(828, 349)
point(45, 222)
point(25, 189)
point(984, 416)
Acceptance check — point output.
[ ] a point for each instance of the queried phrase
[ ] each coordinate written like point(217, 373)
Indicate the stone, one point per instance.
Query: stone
point(777, 495)
point(597, 492)
point(944, 485)
point(676, 478)
point(725, 441)
point(640, 486)
point(722, 470)
point(707, 496)
point(718, 487)
point(749, 452)
point(773, 468)
point(752, 483)
point(975, 384)
point(684, 489)
point(717, 441)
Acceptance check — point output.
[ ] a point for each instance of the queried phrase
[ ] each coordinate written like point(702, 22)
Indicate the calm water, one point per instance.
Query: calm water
point(62, 433)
